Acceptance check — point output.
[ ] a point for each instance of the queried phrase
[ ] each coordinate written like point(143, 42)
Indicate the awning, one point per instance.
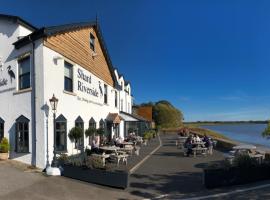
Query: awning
point(114, 118)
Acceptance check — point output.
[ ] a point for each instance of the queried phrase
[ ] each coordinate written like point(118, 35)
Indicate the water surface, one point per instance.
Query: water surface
point(247, 133)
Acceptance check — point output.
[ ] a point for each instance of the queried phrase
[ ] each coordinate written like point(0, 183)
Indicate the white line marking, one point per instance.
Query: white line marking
point(132, 170)
point(214, 195)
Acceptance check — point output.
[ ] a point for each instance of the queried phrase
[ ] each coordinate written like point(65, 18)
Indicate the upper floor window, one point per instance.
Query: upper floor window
point(68, 75)
point(22, 135)
point(92, 41)
point(79, 123)
point(105, 94)
point(24, 73)
point(116, 99)
point(2, 122)
point(61, 133)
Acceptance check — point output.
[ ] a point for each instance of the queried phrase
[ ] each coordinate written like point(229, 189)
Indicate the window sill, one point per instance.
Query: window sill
point(70, 93)
point(22, 152)
point(22, 91)
point(59, 152)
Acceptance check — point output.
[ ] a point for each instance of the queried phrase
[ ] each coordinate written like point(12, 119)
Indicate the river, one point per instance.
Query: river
point(246, 133)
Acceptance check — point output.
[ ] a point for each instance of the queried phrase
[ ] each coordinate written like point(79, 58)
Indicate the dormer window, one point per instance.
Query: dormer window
point(92, 42)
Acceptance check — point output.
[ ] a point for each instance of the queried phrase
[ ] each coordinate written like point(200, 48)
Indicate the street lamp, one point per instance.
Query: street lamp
point(54, 170)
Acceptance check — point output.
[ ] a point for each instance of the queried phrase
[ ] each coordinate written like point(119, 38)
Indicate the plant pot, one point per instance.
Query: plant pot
point(3, 156)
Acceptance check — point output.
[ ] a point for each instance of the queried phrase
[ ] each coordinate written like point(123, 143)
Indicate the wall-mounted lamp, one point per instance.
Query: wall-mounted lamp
point(56, 58)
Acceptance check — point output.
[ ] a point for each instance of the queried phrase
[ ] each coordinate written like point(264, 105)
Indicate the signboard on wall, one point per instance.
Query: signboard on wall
point(7, 76)
point(89, 87)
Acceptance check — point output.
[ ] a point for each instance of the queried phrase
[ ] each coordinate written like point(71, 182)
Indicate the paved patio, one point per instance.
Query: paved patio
point(169, 172)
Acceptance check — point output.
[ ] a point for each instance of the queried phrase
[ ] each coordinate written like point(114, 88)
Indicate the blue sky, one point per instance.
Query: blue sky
point(210, 58)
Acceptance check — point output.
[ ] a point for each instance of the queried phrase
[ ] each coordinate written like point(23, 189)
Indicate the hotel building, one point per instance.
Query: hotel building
point(70, 61)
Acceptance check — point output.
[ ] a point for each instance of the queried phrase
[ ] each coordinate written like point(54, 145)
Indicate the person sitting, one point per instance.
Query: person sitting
point(188, 145)
point(208, 144)
point(196, 139)
point(95, 146)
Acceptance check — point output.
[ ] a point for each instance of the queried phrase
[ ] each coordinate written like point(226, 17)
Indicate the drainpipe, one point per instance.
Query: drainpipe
point(33, 104)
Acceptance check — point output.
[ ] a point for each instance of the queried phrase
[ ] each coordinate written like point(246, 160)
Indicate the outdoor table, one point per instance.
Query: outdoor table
point(109, 148)
point(127, 143)
point(199, 150)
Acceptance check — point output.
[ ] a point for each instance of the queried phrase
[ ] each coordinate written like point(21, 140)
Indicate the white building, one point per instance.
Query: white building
point(70, 61)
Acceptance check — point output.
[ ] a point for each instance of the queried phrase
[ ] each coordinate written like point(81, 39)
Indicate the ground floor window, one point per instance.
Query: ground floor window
point(2, 122)
point(61, 133)
point(80, 123)
point(22, 135)
point(92, 124)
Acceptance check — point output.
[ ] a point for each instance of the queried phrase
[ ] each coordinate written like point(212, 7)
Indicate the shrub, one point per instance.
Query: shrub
point(244, 161)
point(4, 146)
point(75, 134)
point(90, 131)
point(100, 131)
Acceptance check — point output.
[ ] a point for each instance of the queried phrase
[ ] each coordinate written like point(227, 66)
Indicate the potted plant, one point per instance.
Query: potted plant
point(145, 138)
point(4, 148)
point(75, 134)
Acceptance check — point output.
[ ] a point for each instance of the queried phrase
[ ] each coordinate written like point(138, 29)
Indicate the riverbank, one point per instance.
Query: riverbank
point(224, 143)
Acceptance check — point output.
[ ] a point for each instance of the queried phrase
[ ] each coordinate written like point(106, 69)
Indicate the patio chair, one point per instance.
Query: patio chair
point(119, 156)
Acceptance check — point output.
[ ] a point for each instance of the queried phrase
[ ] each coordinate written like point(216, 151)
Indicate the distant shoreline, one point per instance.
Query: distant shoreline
point(209, 123)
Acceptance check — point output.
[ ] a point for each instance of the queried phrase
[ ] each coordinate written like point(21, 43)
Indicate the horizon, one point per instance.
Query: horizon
point(209, 59)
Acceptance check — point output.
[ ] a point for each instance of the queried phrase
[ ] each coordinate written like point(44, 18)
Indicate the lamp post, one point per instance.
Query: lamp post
point(54, 170)
point(54, 102)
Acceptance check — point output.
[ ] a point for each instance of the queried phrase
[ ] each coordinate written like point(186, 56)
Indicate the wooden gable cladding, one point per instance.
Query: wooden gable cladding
point(75, 45)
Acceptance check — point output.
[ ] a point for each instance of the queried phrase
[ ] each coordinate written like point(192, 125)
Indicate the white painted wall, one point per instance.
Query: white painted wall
point(13, 104)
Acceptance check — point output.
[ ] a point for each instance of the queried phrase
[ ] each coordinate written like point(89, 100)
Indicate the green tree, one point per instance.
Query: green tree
point(75, 134)
point(266, 132)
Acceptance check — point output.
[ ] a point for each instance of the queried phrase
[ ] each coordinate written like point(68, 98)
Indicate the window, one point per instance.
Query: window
point(92, 41)
point(92, 123)
point(115, 99)
point(2, 122)
point(101, 124)
point(22, 135)
point(105, 94)
point(24, 73)
point(68, 74)
point(79, 123)
point(61, 133)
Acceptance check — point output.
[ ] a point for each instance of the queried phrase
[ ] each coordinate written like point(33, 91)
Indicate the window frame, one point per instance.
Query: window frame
point(71, 79)
point(92, 42)
point(116, 99)
point(105, 94)
point(19, 60)
point(21, 122)
point(2, 128)
point(92, 121)
point(62, 120)
point(79, 123)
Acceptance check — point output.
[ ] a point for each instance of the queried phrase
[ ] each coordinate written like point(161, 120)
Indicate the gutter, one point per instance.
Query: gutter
point(33, 103)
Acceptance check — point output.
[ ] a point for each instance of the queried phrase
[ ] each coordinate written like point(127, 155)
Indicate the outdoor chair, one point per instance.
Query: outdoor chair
point(119, 156)
point(102, 157)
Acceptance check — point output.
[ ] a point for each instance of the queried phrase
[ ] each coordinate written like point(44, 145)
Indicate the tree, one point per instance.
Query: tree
point(91, 131)
point(266, 132)
point(75, 134)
